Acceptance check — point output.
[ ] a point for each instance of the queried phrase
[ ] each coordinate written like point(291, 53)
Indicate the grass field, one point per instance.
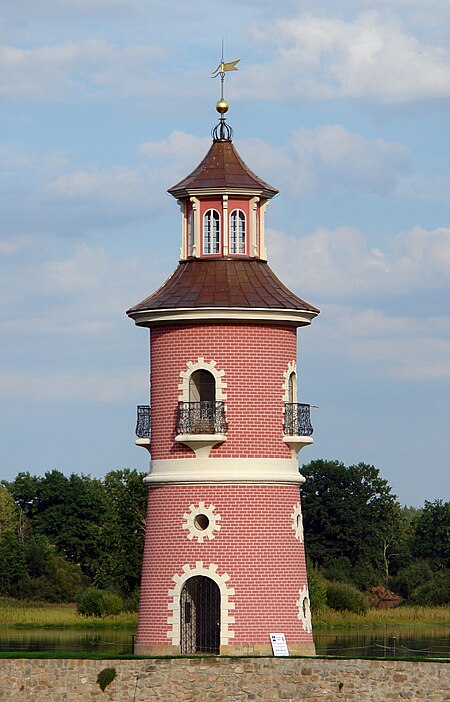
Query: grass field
point(43, 614)
point(15, 613)
point(330, 618)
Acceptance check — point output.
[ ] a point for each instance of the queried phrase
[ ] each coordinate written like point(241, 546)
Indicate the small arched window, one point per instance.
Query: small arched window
point(237, 232)
point(292, 388)
point(211, 232)
point(191, 233)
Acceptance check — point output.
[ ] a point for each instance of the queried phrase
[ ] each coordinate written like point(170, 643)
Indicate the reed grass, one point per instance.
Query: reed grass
point(15, 613)
point(19, 614)
point(327, 618)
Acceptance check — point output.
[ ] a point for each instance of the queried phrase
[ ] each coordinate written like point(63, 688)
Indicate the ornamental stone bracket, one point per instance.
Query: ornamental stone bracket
point(296, 443)
point(145, 443)
point(201, 444)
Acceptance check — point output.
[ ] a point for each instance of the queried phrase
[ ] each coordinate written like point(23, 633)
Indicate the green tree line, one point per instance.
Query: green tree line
point(60, 534)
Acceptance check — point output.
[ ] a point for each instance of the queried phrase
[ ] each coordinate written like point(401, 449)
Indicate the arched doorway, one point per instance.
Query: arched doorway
point(202, 401)
point(202, 386)
point(200, 616)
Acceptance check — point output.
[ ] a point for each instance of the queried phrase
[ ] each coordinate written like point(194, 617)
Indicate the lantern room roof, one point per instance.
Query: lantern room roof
point(222, 169)
point(223, 283)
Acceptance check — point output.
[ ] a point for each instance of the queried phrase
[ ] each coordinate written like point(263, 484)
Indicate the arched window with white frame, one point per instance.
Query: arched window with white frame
point(211, 232)
point(237, 232)
point(292, 388)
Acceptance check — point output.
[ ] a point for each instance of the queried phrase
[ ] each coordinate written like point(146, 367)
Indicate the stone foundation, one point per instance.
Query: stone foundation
point(230, 650)
point(227, 679)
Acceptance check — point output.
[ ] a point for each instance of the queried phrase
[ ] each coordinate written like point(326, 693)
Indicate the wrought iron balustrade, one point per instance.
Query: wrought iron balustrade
point(143, 422)
point(297, 419)
point(205, 417)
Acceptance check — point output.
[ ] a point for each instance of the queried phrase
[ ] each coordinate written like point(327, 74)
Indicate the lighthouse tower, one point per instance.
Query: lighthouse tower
point(224, 564)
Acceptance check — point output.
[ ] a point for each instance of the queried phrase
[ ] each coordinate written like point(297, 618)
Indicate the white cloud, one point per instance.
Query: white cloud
point(335, 264)
point(80, 272)
point(330, 156)
point(401, 347)
point(83, 387)
point(83, 293)
point(327, 267)
point(418, 186)
point(11, 247)
point(179, 146)
point(77, 68)
point(103, 197)
point(371, 58)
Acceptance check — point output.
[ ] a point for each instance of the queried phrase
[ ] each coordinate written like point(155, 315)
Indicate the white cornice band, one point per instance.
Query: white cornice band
point(225, 471)
point(148, 318)
point(209, 192)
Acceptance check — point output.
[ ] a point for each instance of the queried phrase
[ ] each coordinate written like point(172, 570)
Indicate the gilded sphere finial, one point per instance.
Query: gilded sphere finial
point(222, 106)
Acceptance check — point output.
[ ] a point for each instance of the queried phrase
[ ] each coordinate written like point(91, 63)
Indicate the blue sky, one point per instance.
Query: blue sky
point(343, 106)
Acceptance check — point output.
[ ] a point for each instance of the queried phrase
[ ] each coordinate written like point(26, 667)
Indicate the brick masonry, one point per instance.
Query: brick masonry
point(225, 679)
point(256, 547)
point(254, 358)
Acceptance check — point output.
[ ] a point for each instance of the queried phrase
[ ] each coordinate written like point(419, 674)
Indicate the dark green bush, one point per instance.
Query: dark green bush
point(131, 603)
point(317, 586)
point(93, 602)
point(410, 578)
point(342, 596)
point(433, 592)
point(338, 569)
point(105, 677)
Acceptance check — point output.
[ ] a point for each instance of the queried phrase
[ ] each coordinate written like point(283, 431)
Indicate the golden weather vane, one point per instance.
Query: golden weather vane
point(222, 68)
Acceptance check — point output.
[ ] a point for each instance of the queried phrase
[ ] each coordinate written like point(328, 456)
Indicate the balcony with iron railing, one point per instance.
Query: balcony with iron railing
point(143, 422)
point(201, 425)
point(205, 417)
point(297, 419)
point(143, 426)
point(297, 427)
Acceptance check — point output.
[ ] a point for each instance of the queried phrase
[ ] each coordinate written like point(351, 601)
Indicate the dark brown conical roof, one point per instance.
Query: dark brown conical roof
point(221, 283)
point(222, 168)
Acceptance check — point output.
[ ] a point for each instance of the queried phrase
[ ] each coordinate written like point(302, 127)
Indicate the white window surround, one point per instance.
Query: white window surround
point(214, 228)
point(237, 230)
point(291, 368)
point(297, 522)
point(201, 534)
point(201, 364)
point(226, 620)
point(304, 609)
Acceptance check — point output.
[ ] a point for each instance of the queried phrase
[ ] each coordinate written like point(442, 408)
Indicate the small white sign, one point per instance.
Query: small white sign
point(279, 645)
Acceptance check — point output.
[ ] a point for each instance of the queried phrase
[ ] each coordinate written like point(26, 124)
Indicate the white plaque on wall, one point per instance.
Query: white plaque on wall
point(279, 645)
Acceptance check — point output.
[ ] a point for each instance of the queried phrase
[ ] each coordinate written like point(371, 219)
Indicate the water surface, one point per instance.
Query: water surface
point(407, 641)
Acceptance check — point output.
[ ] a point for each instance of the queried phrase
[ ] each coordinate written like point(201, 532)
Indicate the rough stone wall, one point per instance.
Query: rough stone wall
point(227, 679)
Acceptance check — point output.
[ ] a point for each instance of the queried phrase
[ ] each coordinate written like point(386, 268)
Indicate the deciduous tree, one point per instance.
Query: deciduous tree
point(350, 514)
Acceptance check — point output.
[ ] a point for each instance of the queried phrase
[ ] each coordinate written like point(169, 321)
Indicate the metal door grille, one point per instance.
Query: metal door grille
point(200, 616)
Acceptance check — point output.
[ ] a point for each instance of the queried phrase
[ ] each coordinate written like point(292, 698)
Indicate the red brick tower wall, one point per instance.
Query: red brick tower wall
point(254, 358)
point(256, 546)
